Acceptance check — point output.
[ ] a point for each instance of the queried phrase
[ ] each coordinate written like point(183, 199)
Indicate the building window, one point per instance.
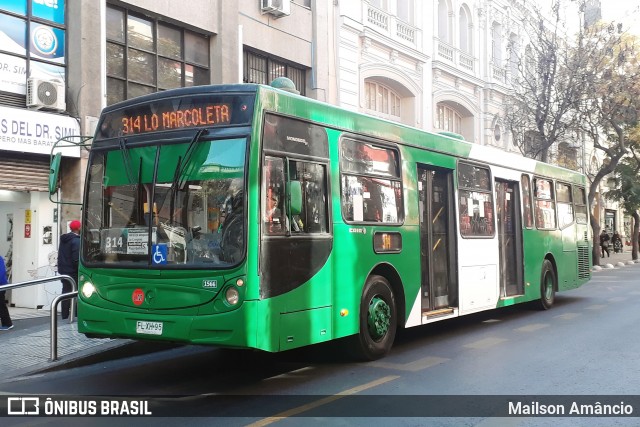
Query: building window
point(497, 132)
point(145, 55)
point(444, 22)
point(448, 119)
point(380, 4)
point(567, 156)
point(496, 44)
point(263, 69)
point(34, 43)
point(405, 10)
point(465, 28)
point(382, 101)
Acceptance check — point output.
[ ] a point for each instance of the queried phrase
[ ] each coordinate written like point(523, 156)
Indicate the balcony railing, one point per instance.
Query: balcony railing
point(391, 26)
point(378, 18)
point(498, 73)
point(455, 56)
point(406, 31)
point(466, 61)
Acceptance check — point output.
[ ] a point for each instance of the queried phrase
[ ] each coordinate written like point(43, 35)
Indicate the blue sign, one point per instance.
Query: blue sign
point(13, 34)
point(47, 43)
point(51, 10)
point(159, 255)
point(15, 6)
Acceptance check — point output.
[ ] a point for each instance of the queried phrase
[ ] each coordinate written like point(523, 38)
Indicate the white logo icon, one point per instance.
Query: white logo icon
point(23, 406)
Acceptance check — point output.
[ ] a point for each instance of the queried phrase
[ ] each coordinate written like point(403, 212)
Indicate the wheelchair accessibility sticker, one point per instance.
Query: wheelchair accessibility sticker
point(160, 253)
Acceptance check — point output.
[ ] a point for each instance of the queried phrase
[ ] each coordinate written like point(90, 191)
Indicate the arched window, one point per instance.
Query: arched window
point(514, 48)
point(497, 132)
point(530, 61)
point(380, 4)
point(405, 10)
point(464, 21)
point(496, 44)
point(444, 25)
point(448, 119)
point(381, 101)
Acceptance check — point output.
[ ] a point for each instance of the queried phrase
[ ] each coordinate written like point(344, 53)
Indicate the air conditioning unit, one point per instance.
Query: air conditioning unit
point(277, 8)
point(46, 94)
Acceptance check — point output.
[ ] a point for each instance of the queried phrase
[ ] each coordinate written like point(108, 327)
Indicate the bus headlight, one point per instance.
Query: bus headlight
point(232, 296)
point(88, 289)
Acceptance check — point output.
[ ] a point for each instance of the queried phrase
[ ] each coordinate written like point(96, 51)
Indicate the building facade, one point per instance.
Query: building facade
point(63, 61)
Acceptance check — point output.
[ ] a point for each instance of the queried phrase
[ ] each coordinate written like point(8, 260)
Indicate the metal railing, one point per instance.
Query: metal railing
point(54, 304)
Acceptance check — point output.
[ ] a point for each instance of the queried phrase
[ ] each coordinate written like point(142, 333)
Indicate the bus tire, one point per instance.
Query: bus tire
point(547, 285)
point(378, 320)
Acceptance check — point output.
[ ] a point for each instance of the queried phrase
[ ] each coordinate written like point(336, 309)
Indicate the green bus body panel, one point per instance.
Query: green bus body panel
point(327, 305)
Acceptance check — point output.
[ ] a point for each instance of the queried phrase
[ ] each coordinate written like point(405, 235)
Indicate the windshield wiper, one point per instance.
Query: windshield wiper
point(125, 158)
point(178, 182)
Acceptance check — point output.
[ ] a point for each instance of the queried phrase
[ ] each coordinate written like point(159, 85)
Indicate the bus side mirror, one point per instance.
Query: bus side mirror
point(54, 168)
point(296, 197)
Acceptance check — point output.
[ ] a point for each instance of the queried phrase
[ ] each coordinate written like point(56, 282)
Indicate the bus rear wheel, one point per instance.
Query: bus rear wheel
point(378, 320)
point(547, 285)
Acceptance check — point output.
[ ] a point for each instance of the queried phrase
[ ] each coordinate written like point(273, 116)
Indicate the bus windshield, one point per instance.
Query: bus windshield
point(167, 206)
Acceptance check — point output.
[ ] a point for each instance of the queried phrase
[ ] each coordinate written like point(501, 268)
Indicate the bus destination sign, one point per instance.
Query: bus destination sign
point(200, 116)
point(174, 113)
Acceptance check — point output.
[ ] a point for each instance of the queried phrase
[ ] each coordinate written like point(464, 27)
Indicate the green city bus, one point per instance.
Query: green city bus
point(247, 216)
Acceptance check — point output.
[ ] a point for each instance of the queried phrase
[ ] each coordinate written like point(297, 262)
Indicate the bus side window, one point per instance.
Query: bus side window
point(526, 202)
point(545, 204)
point(313, 214)
point(564, 204)
point(273, 196)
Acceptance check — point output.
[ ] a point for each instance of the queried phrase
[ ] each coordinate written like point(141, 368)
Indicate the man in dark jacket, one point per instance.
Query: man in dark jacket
point(5, 317)
point(68, 256)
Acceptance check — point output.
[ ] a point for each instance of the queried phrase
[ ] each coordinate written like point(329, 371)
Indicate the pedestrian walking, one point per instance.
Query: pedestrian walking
point(5, 317)
point(68, 257)
point(616, 241)
point(604, 243)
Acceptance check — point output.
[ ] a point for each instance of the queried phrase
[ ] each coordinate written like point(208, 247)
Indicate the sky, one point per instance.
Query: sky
point(625, 11)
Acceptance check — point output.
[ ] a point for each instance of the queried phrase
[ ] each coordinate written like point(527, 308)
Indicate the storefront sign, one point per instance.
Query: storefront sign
point(13, 74)
point(27, 216)
point(36, 132)
point(27, 231)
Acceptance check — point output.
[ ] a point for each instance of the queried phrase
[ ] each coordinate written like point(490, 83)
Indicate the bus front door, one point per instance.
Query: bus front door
point(509, 238)
point(437, 243)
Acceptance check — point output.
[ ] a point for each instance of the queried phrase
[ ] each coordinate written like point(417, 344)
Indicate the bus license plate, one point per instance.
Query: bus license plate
point(150, 328)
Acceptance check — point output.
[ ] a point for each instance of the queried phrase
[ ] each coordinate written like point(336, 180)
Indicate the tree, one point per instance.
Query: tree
point(587, 84)
point(607, 61)
point(540, 109)
point(626, 189)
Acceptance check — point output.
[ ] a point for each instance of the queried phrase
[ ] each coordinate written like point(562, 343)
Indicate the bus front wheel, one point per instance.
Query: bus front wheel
point(547, 285)
point(378, 320)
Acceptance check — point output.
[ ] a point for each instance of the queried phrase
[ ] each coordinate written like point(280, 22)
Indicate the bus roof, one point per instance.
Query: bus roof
point(288, 103)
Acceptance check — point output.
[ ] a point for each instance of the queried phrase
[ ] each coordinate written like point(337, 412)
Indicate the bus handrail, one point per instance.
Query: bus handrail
point(54, 304)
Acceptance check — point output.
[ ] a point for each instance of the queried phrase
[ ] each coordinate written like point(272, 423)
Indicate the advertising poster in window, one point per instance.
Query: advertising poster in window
point(15, 6)
point(51, 10)
point(47, 43)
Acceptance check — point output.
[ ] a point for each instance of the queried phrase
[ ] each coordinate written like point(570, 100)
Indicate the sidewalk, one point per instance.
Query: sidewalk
point(615, 260)
point(29, 350)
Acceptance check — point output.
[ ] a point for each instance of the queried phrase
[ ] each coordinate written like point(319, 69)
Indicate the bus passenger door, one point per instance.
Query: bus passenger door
point(437, 240)
point(509, 237)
